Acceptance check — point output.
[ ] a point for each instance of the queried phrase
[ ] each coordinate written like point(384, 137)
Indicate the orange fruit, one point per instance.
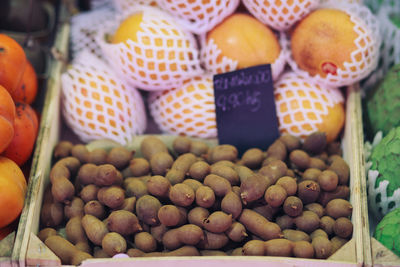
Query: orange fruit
point(25, 133)
point(12, 191)
point(323, 41)
point(303, 107)
point(244, 39)
point(7, 117)
point(27, 90)
point(12, 63)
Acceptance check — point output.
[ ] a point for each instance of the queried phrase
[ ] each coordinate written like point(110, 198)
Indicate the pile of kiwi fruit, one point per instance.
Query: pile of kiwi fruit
point(290, 200)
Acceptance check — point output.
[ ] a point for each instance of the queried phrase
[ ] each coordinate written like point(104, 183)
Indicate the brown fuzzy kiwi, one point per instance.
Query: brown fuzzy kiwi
point(136, 188)
point(316, 208)
point(199, 148)
point(181, 145)
point(145, 242)
point(274, 170)
point(66, 251)
point(119, 157)
point(80, 152)
point(138, 167)
point(52, 214)
point(197, 216)
point(311, 174)
point(87, 173)
point(243, 172)
point(293, 206)
point(315, 143)
point(236, 190)
point(253, 158)
point(129, 204)
point(158, 231)
point(337, 243)
point(337, 208)
point(152, 145)
point(63, 190)
point(123, 222)
point(74, 208)
point(97, 156)
point(218, 222)
point(231, 204)
point(308, 191)
point(326, 223)
point(295, 235)
point(181, 195)
point(285, 222)
point(253, 188)
point(226, 172)
point(147, 208)
point(279, 247)
point(303, 249)
point(275, 195)
point(98, 252)
point(205, 196)
point(341, 168)
point(289, 183)
point(62, 149)
point(322, 247)
point(199, 170)
point(277, 150)
point(219, 185)
point(89, 193)
point(94, 228)
point(299, 159)
point(160, 163)
point(183, 251)
point(95, 208)
point(188, 234)
point(169, 215)
point(317, 163)
point(46, 232)
point(237, 232)
point(266, 210)
point(158, 186)
point(192, 183)
point(236, 252)
point(254, 248)
point(222, 152)
point(107, 175)
point(342, 191)
point(76, 234)
point(259, 225)
point(113, 243)
point(112, 196)
point(291, 142)
point(318, 232)
point(328, 180)
point(176, 174)
point(308, 221)
point(343, 227)
point(213, 240)
point(134, 252)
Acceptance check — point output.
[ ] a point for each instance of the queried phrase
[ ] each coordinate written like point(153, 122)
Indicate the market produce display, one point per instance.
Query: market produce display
point(387, 231)
point(290, 200)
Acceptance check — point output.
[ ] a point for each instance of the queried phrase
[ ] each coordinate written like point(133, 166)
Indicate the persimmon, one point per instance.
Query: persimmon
point(12, 191)
point(25, 133)
point(7, 117)
point(5, 231)
point(12, 63)
point(27, 90)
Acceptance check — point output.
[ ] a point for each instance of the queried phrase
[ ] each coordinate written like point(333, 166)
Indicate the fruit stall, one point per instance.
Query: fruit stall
point(201, 133)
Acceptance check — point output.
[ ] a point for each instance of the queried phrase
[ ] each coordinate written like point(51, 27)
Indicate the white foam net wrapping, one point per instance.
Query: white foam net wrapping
point(390, 48)
point(94, 4)
point(215, 64)
point(163, 56)
point(363, 60)
point(188, 110)
point(84, 30)
point(97, 105)
point(301, 104)
point(199, 16)
point(124, 6)
point(386, 203)
point(280, 15)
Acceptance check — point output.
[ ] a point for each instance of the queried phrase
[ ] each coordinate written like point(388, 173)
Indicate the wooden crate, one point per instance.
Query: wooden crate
point(37, 254)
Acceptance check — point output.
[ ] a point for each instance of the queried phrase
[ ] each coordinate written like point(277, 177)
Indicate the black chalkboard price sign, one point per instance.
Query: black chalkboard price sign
point(245, 108)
